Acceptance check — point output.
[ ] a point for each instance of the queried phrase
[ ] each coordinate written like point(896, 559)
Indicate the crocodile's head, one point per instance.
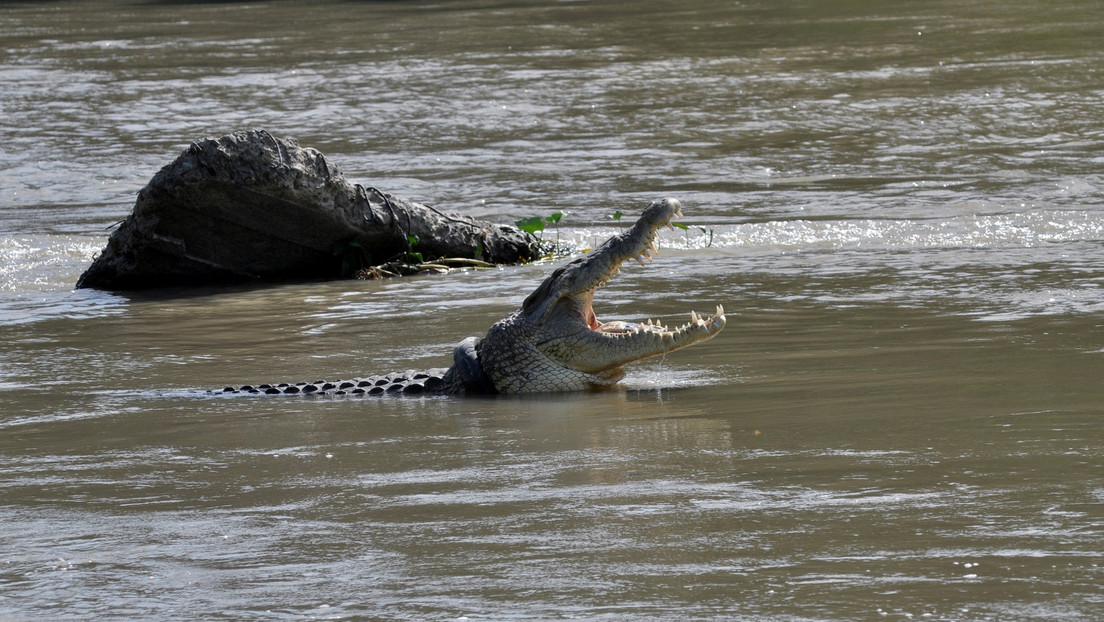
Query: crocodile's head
point(555, 342)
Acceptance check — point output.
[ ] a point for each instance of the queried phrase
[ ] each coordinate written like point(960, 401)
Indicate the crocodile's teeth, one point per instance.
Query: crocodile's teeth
point(720, 311)
point(639, 260)
point(694, 317)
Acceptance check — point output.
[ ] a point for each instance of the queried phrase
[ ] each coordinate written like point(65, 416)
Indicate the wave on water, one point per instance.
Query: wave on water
point(993, 267)
point(955, 257)
point(1011, 230)
point(38, 274)
point(44, 262)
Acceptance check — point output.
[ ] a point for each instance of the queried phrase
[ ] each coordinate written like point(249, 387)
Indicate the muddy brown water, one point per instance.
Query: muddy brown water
point(900, 206)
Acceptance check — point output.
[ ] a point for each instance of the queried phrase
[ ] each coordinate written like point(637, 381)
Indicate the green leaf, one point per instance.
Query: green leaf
point(531, 225)
point(554, 217)
point(680, 225)
point(617, 215)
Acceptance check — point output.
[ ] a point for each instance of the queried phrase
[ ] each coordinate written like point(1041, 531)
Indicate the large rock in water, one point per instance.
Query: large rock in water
point(252, 207)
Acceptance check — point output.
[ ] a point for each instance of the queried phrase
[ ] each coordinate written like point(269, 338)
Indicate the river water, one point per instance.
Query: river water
point(900, 205)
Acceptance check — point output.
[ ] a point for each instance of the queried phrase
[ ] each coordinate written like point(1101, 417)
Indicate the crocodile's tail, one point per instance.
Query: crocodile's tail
point(465, 377)
point(431, 381)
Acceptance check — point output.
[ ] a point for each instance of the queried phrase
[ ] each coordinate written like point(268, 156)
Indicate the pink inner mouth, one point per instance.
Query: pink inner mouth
point(616, 326)
point(613, 326)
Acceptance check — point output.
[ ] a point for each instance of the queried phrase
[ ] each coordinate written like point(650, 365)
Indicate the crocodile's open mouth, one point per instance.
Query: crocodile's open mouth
point(620, 327)
point(643, 257)
point(572, 333)
point(555, 342)
point(586, 314)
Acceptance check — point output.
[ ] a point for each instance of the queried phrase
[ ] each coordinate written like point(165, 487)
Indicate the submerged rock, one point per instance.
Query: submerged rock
point(249, 207)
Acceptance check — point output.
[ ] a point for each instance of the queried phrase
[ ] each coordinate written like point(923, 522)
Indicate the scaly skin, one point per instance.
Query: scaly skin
point(553, 342)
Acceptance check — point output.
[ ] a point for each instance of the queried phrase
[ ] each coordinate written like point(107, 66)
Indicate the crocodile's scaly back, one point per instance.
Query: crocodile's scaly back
point(554, 342)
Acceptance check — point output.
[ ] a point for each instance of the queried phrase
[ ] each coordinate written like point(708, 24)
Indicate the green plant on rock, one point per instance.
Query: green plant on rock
point(532, 225)
point(413, 256)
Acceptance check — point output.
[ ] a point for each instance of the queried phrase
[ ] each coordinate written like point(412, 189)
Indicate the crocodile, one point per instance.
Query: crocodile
point(554, 342)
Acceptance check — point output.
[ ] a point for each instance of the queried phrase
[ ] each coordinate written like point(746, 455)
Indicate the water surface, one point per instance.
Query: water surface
point(900, 206)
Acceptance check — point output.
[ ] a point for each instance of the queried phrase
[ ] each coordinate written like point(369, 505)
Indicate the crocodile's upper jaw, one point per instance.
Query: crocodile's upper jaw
point(558, 343)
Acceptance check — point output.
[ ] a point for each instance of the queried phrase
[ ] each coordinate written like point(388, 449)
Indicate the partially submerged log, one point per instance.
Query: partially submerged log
point(249, 207)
